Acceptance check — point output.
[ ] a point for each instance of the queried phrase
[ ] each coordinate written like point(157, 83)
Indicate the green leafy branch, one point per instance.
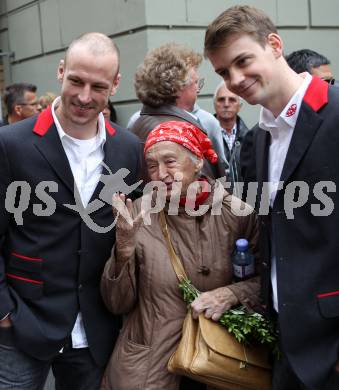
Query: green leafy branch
point(247, 327)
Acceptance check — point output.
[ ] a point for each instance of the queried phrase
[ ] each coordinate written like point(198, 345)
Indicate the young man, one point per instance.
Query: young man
point(52, 257)
point(296, 142)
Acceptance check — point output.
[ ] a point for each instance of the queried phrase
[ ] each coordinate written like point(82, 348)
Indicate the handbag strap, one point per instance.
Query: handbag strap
point(176, 263)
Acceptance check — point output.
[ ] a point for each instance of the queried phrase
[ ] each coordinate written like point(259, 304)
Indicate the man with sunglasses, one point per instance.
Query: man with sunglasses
point(21, 102)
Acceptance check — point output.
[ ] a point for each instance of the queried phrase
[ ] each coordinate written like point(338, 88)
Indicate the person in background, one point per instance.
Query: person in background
point(46, 100)
point(53, 253)
point(306, 60)
point(167, 83)
point(139, 280)
point(227, 143)
point(109, 112)
point(295, 147)
point(133, 118)
point(21, 102)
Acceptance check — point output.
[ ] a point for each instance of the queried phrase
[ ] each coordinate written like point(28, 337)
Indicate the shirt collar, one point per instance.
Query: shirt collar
point(101, 135)
point(233, 131)
point(193, 113)
point(288, 117)
point(196, 108)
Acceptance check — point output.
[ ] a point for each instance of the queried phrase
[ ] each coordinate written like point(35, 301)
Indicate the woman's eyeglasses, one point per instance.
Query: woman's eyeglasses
point(201, 83)
point(330, 80)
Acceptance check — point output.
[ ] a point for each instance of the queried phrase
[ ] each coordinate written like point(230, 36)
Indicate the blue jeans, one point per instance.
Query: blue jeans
point(74, 369)
point(19, 371)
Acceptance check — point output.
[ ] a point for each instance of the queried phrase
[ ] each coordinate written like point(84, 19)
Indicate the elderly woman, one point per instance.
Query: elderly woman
point(139, 280)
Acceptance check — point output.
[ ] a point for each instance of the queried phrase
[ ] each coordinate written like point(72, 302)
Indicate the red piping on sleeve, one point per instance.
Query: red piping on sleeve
point(26, 257)
point(329, 294)
point(24, 279)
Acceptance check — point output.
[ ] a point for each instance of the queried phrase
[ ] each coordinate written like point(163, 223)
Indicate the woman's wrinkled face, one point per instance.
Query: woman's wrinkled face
point(167, 161)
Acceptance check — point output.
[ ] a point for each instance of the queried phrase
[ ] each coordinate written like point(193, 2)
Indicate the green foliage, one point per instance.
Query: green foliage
point(247, 327)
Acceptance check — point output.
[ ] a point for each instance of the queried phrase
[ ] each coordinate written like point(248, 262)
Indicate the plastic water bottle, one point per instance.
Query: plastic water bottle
point(243, 261)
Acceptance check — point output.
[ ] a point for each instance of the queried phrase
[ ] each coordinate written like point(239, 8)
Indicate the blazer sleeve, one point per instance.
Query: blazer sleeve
point(7, 304)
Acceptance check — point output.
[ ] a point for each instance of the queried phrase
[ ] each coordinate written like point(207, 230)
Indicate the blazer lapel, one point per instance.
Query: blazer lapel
point(306, 127)
point(262, 149)
point(49, 145)
point(109, 163)
point(308, 122)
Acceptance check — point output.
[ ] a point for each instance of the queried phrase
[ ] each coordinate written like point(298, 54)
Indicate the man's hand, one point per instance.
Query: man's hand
point(6, 323)
point(214, 303)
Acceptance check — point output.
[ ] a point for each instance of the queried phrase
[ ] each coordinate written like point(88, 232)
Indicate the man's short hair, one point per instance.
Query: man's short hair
point(238, 20)
point(164, 72)
point(305, 59)
point(97, 43)
point(222, 84)
point(15, 94)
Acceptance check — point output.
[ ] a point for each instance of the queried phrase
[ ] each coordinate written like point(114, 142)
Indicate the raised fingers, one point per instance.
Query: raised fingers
point(122, 209)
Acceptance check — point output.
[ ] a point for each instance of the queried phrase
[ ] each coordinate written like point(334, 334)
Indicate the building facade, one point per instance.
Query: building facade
point(37, 32)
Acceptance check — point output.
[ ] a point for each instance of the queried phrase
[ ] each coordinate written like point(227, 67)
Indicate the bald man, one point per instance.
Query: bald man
point(56, 232)
point(228, 144)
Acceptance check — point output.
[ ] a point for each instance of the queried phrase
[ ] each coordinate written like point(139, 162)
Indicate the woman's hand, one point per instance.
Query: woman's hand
point(6, 322)
point(214, 303)
point(126, 226)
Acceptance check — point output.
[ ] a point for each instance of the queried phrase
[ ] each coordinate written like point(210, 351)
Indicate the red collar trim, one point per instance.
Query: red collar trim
point(110, 129)
point(316, 95)
point(200, 198)
point(45, 121)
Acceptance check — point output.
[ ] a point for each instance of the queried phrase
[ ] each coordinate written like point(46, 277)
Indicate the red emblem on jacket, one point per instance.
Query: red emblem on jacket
point(291, 111)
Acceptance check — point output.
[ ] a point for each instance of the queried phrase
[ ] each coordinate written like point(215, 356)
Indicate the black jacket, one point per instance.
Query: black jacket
point(51, 263)
point(305, 237)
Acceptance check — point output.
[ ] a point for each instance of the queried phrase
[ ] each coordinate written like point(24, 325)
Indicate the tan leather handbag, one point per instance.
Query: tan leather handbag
point(208, 353)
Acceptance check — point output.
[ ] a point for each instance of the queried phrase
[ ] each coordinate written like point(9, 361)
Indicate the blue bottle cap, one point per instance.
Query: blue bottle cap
point(242, 244)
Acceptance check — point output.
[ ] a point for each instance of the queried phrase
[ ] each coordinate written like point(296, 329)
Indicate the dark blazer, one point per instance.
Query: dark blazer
point(51, 265)
point(307, 246)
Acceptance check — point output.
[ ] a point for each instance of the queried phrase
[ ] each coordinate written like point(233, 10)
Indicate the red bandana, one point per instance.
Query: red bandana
point(185, 134)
